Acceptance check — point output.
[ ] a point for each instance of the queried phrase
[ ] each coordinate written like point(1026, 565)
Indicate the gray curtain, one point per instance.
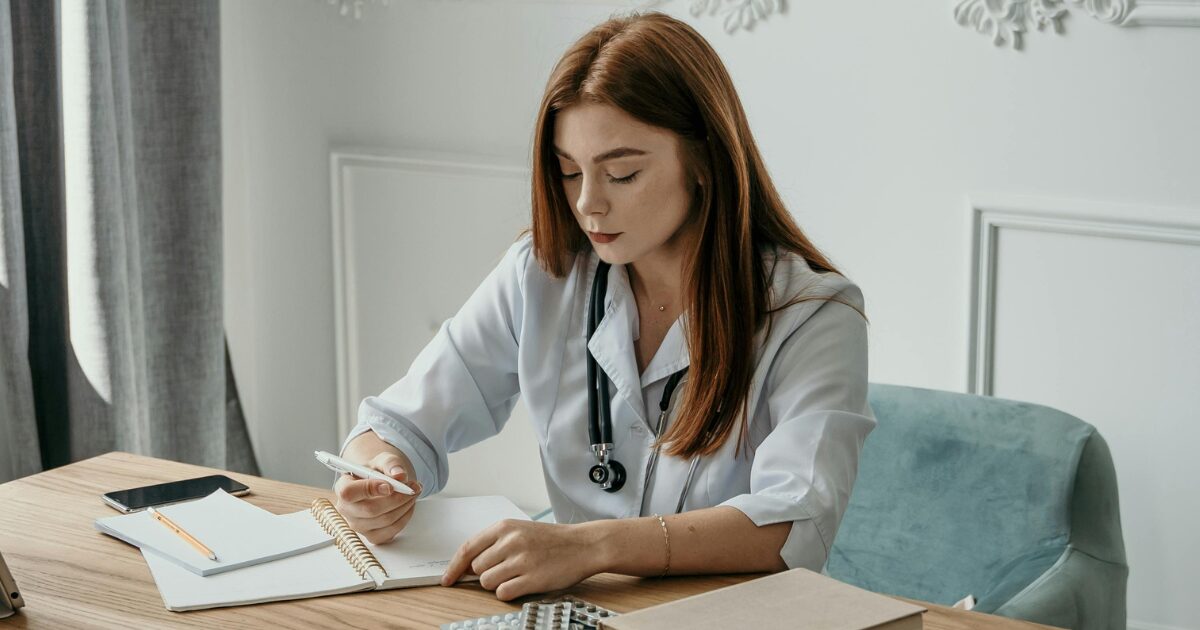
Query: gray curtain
point(110, 210)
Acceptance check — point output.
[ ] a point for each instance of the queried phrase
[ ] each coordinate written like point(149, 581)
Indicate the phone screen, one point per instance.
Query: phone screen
point(135, 499)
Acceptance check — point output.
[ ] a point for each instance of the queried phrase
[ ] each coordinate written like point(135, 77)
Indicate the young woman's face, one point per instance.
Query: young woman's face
point(625, 181)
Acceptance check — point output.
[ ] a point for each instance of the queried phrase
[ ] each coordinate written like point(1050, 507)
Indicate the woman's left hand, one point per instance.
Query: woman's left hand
point(515, 558)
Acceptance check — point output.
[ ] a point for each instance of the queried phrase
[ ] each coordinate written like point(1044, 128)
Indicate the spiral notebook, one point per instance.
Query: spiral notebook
point(417, 557)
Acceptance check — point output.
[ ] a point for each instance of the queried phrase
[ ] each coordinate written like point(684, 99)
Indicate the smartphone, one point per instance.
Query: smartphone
point(10, 597)
point(136, 499)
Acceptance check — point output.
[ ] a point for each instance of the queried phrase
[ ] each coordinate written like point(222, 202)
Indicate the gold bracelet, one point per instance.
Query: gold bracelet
point(667, 541)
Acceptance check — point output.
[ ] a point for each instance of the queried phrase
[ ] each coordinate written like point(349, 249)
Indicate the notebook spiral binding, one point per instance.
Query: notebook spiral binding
point(345, 538)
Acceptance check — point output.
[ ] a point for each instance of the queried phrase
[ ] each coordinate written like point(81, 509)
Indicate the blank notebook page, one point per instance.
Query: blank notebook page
point(421, 552)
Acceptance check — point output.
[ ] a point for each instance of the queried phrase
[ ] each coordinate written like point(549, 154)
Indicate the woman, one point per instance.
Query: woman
point(651, 202)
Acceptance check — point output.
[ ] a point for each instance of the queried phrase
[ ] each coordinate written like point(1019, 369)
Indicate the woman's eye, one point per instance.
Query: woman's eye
point(615, 180)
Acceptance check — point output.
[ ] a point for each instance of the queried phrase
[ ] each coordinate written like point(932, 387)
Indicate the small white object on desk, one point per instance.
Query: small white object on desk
point(337, 464)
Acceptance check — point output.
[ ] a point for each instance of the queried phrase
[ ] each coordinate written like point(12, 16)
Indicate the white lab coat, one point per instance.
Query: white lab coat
point(524, 332)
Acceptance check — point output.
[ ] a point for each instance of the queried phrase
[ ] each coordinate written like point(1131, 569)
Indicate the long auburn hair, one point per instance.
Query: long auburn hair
point(662, 72)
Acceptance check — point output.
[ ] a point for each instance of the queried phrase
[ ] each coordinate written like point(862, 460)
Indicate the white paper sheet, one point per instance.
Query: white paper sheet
point(239, 533)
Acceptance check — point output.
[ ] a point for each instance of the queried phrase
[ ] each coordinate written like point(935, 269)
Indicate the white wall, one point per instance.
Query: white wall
point(883, 123)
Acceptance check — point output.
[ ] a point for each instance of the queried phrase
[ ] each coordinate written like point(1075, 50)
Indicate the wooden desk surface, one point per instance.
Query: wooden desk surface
point(73, 576)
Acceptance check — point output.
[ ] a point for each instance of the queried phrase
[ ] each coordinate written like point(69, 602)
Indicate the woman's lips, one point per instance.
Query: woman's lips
point(601, 237)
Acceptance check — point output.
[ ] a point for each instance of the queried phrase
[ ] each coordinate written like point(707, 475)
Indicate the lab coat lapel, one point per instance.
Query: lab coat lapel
point(612, 343)
point(672, 354)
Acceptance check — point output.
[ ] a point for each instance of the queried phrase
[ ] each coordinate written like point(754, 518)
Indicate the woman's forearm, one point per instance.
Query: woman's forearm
point(719, 539)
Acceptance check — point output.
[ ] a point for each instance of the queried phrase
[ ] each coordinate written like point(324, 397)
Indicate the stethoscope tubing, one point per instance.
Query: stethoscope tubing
point(599, 399)
point(592, 386)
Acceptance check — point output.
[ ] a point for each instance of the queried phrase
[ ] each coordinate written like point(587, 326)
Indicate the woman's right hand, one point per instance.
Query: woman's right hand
point(371, 506)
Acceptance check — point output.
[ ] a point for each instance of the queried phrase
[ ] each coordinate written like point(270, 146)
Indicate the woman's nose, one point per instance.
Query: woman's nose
point(591, 199)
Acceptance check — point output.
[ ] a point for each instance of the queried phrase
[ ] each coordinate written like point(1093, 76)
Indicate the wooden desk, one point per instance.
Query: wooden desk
point(73, 576)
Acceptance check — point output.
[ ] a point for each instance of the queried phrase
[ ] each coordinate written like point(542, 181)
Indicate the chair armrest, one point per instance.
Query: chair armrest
point(1078, 591)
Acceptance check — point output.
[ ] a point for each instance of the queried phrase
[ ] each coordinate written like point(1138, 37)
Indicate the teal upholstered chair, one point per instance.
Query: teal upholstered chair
point(1011, 502)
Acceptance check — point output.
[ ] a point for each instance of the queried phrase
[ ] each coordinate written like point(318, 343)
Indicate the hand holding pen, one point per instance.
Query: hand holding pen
point(376, 498)
point(337, 464)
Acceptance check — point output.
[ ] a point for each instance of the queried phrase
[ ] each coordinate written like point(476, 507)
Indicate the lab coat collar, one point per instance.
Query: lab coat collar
point(612, 345)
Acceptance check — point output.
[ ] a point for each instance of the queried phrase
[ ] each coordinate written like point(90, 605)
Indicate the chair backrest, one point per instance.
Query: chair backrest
point(960, 494)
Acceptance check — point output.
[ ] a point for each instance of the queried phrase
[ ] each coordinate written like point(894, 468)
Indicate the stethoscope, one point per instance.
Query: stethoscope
point(608, 473)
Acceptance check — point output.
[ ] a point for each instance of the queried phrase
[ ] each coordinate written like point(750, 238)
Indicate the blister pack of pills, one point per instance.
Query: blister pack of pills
point(560, 613)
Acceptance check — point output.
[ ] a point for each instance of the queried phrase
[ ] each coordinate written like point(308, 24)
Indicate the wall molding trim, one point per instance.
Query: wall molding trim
point(992, 213)
point(1006, 21)
point(342, 162)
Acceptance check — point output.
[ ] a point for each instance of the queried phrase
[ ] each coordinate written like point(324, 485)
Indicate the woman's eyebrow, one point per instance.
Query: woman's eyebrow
point(611, 154)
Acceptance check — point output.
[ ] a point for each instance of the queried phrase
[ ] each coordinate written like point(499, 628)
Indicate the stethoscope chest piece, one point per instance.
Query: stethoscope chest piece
point(611, 477)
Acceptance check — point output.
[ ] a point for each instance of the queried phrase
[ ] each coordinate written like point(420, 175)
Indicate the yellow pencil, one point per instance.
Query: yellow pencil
point(162, 518)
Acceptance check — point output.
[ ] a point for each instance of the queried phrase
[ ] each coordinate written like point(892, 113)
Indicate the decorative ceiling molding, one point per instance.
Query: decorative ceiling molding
point(738, 14)
point(354, 8)
point(1006, 21)
point(735, 14)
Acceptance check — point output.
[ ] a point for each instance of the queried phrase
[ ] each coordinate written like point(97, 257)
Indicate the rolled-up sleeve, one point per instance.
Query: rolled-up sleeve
point(816, 396)
point(463, 385)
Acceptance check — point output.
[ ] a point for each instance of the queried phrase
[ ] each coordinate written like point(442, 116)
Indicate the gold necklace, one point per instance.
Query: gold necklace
point(662, 307)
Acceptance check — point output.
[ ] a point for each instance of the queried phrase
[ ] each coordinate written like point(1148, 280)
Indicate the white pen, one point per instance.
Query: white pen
point(337, 464)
